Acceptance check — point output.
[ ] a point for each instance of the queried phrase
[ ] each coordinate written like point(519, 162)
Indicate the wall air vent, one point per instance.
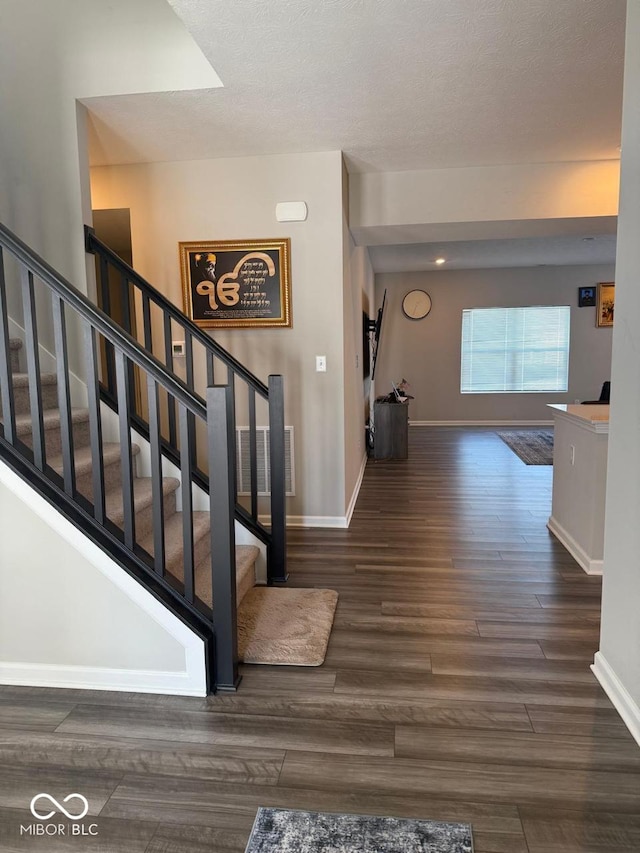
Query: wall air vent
point(262, 454)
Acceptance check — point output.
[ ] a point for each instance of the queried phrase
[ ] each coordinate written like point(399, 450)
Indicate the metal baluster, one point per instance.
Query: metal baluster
point(156, 476)
point(188, 351)
point(126, 459)
point(187, 502)
point(146, 320)
point(128, 327)
point(253, 452)
point(106, 307)
point(171, 403)
point(6, 381)
point(64, 393)
point(33, 366)
point(95, 421)
point(210, 370)
point(223, 543)
point(277, 563)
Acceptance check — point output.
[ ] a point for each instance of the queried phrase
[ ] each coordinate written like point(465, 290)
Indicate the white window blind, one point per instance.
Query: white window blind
point(515, 349)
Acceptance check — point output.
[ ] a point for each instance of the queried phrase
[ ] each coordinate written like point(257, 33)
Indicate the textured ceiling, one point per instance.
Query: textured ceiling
point(488, 254)
point(395, 84)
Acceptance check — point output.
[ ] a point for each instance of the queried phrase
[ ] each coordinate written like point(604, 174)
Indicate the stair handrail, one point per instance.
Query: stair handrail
point(102, 322)
point(273, 536)
point(92, 242)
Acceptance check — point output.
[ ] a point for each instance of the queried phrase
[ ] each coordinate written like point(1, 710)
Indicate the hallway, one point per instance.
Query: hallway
point(456, 687)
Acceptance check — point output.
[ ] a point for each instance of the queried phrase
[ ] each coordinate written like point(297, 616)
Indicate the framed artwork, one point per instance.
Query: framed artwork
point(241, 284)
point(606, 302)
point(586, 297)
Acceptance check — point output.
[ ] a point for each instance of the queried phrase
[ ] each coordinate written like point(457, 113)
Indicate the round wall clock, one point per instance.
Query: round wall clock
point(416, 304)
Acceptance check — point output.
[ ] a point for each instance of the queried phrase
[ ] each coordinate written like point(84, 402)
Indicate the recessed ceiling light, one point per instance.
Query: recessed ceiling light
point(440, 261)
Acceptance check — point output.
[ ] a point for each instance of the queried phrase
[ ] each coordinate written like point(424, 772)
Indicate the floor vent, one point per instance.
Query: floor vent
point(262, 455)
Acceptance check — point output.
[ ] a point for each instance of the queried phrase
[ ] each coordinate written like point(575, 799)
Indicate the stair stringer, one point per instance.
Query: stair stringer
point(123, 640)
point(200, 498)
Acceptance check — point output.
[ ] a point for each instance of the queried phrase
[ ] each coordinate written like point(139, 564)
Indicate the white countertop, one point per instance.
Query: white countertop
point(597, 417)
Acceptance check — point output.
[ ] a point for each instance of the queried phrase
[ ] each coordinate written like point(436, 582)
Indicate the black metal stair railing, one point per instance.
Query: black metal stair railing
point(159, 322)
point(51, 302)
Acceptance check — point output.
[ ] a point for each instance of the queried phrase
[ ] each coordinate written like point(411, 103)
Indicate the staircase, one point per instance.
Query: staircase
point(246, 555)
point(150, 478)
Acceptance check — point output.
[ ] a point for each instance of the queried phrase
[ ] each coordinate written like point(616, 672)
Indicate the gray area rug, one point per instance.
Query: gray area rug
point(534, 447)
point(286, 831)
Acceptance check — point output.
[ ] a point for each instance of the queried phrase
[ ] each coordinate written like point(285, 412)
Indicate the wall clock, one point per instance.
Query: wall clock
point(416, 304)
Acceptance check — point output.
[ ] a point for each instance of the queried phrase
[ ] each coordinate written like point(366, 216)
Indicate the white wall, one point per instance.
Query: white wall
point(69, 617)
point(480, 202)
point(427, 352)
point(235, 199)
point(617, 664)
point(358, 297)
point(50, 55)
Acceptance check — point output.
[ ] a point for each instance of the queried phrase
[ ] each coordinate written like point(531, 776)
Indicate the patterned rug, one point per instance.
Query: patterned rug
point(286, 831)
point(534, 447)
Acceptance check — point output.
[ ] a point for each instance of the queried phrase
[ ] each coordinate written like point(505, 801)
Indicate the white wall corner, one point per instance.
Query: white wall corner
point(619, 695)
point(590, 566)
point(356, 490)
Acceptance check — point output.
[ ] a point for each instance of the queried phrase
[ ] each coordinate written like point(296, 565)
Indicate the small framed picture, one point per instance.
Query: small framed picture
point(606, 302)
point(586, 297)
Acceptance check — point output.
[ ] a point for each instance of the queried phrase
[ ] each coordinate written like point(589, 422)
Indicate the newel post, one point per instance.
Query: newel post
point(222, 497)
point(277, 558)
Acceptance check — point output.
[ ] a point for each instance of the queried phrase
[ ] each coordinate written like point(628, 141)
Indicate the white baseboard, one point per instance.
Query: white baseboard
point(591, 566)
point(618, 693)
point(356, 490)
point(317, 521)
point(481, 423)
point(96, 678)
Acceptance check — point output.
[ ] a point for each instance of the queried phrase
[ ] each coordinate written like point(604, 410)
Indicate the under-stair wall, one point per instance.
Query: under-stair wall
point(70, 617)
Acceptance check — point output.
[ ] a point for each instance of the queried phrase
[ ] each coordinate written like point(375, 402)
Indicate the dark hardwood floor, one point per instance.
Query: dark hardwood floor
point(456, 687)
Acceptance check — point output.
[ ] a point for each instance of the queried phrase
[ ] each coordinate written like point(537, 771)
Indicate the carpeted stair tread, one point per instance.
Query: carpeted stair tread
point(50, 419)
point(173, 539)
point(142, 497)
point(21, 387)
point(246, 556)
point(83, 458)
point(21, 380)
point(15, 345)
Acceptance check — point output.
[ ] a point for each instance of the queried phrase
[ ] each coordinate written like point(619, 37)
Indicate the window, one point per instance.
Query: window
point(508, 350)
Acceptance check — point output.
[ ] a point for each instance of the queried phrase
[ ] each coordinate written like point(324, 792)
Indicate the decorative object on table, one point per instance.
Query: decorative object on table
point(237, 284)
point(288, 831)
point(533, 447)
point(399, 393)
point(416, 304)
point(606, 303)
point(586, 297)
point(285, 627)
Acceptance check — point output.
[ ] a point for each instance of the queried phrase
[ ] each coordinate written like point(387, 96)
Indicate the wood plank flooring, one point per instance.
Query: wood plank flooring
point(456, 687)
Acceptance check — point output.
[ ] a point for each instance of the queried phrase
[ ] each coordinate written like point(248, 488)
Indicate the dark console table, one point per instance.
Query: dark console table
point(391, 438)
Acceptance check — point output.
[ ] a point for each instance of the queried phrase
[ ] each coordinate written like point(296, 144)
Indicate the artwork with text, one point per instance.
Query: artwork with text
point(236, 284)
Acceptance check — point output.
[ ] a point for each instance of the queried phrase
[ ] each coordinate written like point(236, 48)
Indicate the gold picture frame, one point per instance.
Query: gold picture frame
point(606, 303)
point(237, 284)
